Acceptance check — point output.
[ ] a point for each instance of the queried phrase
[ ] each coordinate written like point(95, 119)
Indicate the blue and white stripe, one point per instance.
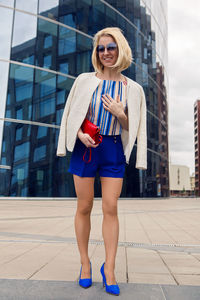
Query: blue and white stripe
point(98, 115)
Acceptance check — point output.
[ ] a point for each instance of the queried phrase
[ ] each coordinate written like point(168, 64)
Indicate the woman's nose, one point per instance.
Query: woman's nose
point(105, 51)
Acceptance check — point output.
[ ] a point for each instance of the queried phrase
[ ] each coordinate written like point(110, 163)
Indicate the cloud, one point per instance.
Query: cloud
point(184, 78)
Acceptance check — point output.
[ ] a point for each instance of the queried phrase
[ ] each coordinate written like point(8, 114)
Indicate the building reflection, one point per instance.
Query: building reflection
point(45, 60)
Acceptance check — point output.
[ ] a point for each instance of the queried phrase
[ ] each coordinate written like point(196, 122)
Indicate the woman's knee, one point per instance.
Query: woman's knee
point(109, 208)
point(84, 207)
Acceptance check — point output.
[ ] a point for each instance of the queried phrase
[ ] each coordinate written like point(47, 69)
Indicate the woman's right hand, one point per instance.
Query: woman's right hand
point(86, 139)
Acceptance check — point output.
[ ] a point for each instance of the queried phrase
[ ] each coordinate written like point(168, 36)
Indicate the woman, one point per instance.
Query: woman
point(116, 104)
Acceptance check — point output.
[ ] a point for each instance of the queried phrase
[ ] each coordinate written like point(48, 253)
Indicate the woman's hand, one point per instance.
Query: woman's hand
point(115, 107)
point(86, 139)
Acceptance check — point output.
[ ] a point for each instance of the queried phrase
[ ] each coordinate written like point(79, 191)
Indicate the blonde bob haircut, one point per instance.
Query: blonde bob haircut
point(124, 59)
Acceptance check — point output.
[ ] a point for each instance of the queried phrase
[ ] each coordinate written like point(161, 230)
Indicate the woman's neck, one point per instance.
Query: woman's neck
point(109, 74)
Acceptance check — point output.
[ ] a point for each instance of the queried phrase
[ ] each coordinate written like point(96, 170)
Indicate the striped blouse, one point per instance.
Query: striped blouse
point(98, 115)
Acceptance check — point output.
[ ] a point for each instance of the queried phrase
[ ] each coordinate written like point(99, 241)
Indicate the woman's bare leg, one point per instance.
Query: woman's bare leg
point(111, 190)
point(84, 187)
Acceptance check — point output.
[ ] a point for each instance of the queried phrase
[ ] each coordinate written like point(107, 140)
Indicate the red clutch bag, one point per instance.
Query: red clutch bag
point(94, 132)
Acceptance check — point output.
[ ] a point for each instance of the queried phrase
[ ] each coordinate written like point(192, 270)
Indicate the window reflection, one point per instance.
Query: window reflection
point(49, 8)
point(21, 151)
point(46, 45)
point(45, 97)
point(48, 41)
point(20, 92)
point(39, 153)
point(28, 60)
point(59, 115)
point(48, 86)
point(20, 74)
point(42, 132)
point(61, 97)
point(19, 134)
point(35, 99)
point(24, 91)
point(68, 19)
point(7, 2)
point(64, 68)
point(47, 107)
point(67, 41)
point(35, 171)
point(30, 5)
point(5, 34)
point(19, 113)
point(29, 31)
point(20, 172)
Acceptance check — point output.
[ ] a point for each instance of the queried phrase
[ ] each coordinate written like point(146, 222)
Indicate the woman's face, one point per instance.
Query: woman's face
point(108, 51)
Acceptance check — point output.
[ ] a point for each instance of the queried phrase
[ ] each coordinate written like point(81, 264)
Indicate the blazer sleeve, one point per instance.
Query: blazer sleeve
point(141, 157)
point(61, 147)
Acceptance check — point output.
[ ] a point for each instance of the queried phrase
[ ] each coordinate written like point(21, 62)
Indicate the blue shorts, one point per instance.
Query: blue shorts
point(108, 159)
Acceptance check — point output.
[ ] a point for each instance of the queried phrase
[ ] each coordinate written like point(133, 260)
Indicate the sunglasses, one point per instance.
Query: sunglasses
point(109, 47)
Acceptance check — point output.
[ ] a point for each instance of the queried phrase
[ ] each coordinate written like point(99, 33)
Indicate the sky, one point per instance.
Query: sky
point(184, 78)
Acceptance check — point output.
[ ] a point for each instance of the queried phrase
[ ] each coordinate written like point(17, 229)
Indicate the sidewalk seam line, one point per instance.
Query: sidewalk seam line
point(167, 267)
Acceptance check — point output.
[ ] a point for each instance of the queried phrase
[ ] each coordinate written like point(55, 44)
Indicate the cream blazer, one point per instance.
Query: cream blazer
point(76, 109)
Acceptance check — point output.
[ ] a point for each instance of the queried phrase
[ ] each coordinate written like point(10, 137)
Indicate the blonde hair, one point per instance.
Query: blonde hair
point(124, 59)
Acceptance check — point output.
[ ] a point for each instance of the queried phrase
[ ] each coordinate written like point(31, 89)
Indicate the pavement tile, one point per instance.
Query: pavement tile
point(98, 258)
point(181, 292)
point(181, 263)
point(188, 279)
point(151, 278)
point(63, 267)
point(25, 265)
point(14, 251)
point(63, 290)
point(138, 236)
point(145, 261)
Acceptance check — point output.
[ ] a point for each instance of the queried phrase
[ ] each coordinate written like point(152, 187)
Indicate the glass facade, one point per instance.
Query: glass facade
point(39, 62)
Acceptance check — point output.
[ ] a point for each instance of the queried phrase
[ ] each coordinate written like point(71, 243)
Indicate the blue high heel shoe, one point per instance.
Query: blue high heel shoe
point(111, 289)
point(86, 282)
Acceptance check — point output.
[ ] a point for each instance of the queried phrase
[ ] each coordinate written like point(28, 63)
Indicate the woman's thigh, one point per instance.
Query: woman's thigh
point(84, 186)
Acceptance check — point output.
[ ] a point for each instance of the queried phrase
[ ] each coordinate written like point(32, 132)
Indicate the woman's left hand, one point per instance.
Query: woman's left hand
point(115, 107)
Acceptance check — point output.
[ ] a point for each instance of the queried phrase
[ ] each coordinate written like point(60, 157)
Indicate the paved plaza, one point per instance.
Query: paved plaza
point(158, 255)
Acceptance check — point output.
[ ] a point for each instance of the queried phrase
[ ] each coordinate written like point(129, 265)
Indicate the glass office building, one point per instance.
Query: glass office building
point(45, 45)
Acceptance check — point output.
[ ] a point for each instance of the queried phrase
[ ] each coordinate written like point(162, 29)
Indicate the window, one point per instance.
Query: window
point(59, 115)
point(20, 172)
point(61, 97)
point(47, 86)
point(24, 91)
point(67, 41)
point(47, 107)
point(42, 131)
point(3, 161)
point(19, 114)
point(47, 61)
point(21, 151)
point(48, 41)
point(64, 68)
point(29, 60)
point(178, 175)
point(19, 134)
point(39, 153)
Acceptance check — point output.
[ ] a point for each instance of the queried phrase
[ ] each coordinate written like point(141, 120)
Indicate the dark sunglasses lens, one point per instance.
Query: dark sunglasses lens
point(111, 47)
point(100, 48)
